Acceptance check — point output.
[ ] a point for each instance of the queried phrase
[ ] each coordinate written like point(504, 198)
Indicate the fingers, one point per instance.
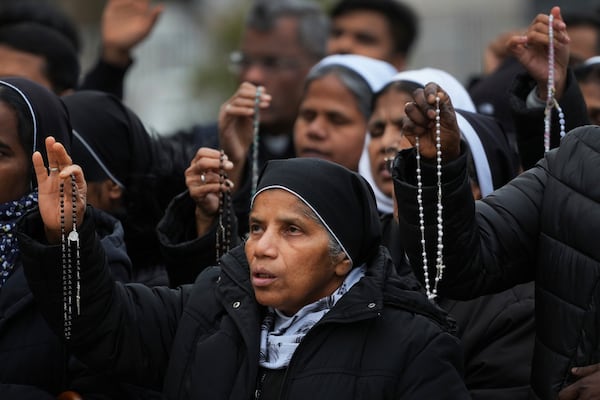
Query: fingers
point(57, 155)
point(244, 100)
point(569, 393)
point(585, 371)
point(555, 11)
point(155, 13)
point(41, 173)
point(539, 29)
point(421, 113)
point(585, 387)
point(203, 176)
point(209, 159)
point(517, 44)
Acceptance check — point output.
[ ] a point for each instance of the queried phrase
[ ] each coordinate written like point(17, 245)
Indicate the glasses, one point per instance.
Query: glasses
point(239, 61)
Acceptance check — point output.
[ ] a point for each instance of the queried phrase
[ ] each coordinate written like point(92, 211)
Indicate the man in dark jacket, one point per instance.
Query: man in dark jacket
point(313, 253)
point(529, 229)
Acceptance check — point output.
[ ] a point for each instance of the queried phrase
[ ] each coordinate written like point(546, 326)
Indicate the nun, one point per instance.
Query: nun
point(309, 306)
point(29, 113)
point(131, 174)
point(492, 162)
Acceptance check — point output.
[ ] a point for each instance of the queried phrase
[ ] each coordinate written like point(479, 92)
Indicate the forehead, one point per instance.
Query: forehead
point(8, 125)
point(278, 201)
point(392, 99)
point(363, 21)
point(281, 39)
point(22, 64)
point(330, 87)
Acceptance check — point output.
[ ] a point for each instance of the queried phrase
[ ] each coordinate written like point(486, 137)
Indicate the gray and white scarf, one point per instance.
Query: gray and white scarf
point(281, 335)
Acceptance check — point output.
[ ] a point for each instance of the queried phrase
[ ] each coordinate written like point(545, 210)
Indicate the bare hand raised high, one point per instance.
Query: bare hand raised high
point(59, 170)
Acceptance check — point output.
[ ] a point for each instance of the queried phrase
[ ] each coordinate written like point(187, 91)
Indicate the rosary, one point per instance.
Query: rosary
point(550, 99)
point(224, 223)
point(255, 137)
point(70, 258)
point(439, 264)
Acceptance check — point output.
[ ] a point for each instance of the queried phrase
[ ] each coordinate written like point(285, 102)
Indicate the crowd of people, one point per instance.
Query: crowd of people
point(346, 228)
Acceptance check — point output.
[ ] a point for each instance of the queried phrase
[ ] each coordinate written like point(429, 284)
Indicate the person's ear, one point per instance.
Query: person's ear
point(115, 192)
point(343, 265)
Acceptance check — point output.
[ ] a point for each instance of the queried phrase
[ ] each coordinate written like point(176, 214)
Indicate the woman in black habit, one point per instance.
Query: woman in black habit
point(309, 306)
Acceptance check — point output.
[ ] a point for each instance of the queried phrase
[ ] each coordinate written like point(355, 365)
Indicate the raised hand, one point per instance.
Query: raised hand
point(531, 50)
point(125, 23)
point(203, 182)
point(420, 121)
point(60, 167)
point(235, 125)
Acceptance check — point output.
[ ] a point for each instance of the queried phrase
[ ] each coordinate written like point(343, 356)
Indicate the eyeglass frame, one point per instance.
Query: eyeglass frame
point(238, 61)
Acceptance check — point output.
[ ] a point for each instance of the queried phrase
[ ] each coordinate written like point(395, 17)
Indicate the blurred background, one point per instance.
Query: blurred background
point(180, 74)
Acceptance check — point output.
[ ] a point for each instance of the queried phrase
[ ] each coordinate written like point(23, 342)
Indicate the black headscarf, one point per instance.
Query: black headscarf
point(48, 113)
point(341, 199)
point(109, 140)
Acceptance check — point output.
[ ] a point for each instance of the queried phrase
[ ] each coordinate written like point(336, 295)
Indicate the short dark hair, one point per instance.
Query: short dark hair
point(579, 19)
point(62, 62)
point(313, 25)
point(43, 13)
point(402, 19)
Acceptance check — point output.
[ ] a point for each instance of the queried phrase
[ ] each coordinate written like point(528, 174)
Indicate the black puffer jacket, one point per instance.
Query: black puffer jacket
point(34, 361)
point(382, 340)
point(544, 225)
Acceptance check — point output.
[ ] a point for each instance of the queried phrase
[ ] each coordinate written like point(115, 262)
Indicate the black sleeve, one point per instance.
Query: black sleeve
point(529, 122)
point(498, 335)
point(185, 254)
point(488, 247)
point(23, 392)
point(105, 78)
point(125, 329)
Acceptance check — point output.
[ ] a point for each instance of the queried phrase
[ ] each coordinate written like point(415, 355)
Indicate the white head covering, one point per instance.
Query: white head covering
point(592, 61)
point(457, 92)
point(460, 100)
point(377, 73)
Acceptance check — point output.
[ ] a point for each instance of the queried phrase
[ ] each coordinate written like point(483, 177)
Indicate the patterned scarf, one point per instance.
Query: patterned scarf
point(9, 250)
point(280, 334)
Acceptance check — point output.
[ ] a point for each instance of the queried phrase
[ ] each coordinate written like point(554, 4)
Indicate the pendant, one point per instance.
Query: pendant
point(73, 236)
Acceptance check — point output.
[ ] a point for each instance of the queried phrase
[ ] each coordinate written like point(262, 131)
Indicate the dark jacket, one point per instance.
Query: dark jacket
point(498, 334)
point(497, 331)
point(543, 225)
point(105, 77)
point(33, 359)
point(383, 339)
point(185, 254)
